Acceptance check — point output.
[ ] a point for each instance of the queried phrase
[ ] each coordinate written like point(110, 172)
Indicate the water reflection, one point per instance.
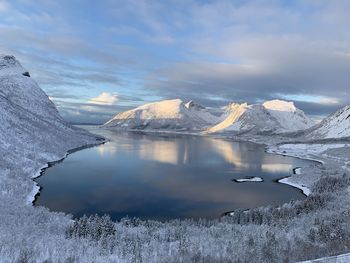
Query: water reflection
point(162, 177)
point(276, 167)
point(163, 151)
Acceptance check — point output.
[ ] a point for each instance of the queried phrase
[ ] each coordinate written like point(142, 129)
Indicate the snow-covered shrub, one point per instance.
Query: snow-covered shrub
point(93, 227)
point(332, 233)
point(268, 214)
point(329, 184)
point(25, 256)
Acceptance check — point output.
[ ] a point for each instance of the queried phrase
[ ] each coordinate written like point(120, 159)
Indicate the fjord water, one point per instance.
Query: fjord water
point(165, 177)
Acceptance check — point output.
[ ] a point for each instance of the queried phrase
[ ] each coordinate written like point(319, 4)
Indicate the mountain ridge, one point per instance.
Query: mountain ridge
point(336, 125)
point(167, 114)
point(275, 116)
point(32, 133)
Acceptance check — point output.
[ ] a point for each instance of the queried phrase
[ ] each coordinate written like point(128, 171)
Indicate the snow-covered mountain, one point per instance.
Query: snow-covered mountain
point(165, 115)
point(287, 115)
point(275, 116)
point(337, 125)
point(32, 132)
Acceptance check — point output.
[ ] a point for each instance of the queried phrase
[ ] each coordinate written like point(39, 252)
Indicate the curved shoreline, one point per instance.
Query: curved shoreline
point(268, 149)
point(32, 196)
point(306, 191)
point(302, 178)
point(286, 180)
point(294, 155)
point(36, 189)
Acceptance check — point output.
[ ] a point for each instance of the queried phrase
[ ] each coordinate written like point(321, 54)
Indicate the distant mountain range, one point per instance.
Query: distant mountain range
point(271, 117)
point(274, 116)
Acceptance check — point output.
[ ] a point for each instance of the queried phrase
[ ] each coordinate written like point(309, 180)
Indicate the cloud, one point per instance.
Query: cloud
point(265, 67)
point(3, 6)
point(84, 112)
point(311, 98)
point(210, 51)
point(105, 98)
point(238, 54)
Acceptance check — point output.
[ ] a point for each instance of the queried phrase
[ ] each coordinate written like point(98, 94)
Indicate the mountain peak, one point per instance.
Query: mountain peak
point(275, 116)
point(192, 104)
point(9, 65)
point(166, 114)
point(280, 105)
point(233, 106)
point(8, 61)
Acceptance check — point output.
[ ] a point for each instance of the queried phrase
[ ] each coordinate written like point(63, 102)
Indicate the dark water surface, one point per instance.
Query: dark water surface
point(165, 177)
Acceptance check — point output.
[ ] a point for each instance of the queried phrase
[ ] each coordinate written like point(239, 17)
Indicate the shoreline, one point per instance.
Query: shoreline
point(300, 183)
point(284, 180)
point(308, 158)
point(306, 191)
point(32, 196)
point(287, 180)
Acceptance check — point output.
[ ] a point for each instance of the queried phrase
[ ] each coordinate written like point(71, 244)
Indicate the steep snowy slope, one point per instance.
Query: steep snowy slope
point(167, 114)
point(200, 112)
point(274, 116)
point(336, 126)
point(287, 115)
point(232, 121)
point(32, 132)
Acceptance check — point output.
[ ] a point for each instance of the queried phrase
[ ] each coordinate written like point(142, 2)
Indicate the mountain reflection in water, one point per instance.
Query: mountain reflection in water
point(164, 177)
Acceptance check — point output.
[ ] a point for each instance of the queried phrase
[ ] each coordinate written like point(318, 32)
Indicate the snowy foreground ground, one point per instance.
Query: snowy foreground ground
point(32, 134)
point(294, 232)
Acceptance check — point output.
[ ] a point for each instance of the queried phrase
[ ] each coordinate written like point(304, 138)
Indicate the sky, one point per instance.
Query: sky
point(96, 58)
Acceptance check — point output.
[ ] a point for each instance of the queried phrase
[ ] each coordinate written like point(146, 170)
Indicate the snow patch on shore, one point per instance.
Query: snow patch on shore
point(309, 151)
point(302, 187)
point(297, 170)
point(36, 188)
point(33, 193)
point(252, 179)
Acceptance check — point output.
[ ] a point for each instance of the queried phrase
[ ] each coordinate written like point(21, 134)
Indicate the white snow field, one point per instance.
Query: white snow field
point(165, 115)
point(32, 134)
point(306, 191)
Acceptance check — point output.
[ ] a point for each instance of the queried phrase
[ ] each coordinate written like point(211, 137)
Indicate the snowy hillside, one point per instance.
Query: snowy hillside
point(273, 116)
point(336, 125)
point(167, 114)
point(287, 115)
point(32, 132)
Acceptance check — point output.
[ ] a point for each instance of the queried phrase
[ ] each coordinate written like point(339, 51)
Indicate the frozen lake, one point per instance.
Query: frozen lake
point(165, 177)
